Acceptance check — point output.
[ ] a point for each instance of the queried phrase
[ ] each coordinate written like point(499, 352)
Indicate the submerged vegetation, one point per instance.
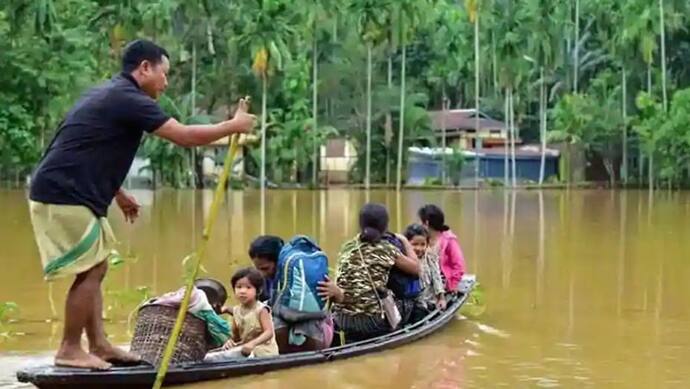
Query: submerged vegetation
point(7, 310)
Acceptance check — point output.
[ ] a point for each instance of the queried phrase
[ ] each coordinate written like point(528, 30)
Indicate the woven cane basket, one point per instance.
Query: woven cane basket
point(154, 326)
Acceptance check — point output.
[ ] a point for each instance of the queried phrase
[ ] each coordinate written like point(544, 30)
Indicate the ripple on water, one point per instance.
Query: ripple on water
point(547, 383)
point(12, 362)
point(492, 331)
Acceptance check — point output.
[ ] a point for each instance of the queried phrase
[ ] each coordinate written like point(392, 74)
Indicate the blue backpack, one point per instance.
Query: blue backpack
point(301, 265)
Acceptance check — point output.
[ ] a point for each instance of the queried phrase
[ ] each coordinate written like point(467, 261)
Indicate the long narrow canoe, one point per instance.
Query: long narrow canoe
point(51, 377)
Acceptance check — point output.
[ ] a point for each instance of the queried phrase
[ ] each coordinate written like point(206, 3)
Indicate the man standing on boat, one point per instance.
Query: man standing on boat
point(80, 175)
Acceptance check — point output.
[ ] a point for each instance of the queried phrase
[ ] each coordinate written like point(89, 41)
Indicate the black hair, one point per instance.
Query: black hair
point(254, 276)
point(214, 290)
point(266, 246)
point(373, 222)
point(416, 230)
point(139, 51)
point(433, 215)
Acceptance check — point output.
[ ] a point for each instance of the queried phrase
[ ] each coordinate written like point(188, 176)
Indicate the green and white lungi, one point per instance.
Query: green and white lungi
point(70, 238)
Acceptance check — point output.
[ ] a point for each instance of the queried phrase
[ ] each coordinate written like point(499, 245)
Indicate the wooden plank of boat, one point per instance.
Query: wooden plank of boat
point(51, 377)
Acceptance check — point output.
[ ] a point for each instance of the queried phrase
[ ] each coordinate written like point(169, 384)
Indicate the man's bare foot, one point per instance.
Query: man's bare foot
point(76, 357)
point(115, 355)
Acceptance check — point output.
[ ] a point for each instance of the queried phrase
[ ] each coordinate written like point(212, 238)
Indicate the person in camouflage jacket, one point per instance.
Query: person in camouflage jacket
point(364, 265)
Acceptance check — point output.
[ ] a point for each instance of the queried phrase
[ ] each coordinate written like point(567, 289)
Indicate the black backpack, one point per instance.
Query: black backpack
point(403, 285)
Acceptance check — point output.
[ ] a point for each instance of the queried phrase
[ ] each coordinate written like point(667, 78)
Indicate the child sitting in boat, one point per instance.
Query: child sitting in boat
point(406, 287)
point(252, 325)
point(445, 242)
point(433, 290)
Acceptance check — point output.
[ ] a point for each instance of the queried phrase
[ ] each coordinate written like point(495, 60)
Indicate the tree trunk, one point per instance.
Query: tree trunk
point(209, 38)
point(512, 138)
point(494, 67)
point(640, 164)
point(444, 142)
point(477, 139)
point(262, 178)
point(576, 56)
point(335, 28)
point(650, 171)
point(608, 165)
point(401, 131)
point(649, 78)
point(650, 163)
point(542, 124)
point(663, 55)
point(664, 92)
point(367, 169)
point(624, 164)
point(389, 122)
point(506, 144)
point(192, 150)
point(641, 157)
point(315, 110)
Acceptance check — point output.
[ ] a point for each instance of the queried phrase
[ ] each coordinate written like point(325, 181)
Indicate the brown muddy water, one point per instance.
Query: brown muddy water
point(582, 288)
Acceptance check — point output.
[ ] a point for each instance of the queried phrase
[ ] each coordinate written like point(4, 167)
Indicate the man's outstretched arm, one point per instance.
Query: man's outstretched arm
point(203, 134)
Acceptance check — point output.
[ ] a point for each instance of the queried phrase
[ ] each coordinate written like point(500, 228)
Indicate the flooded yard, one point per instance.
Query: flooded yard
point(583, 288)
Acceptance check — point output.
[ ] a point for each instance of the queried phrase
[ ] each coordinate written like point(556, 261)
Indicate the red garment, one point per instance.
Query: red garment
point(451, 259)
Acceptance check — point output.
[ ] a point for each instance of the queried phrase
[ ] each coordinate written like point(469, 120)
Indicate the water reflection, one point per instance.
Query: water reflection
point(541, 241)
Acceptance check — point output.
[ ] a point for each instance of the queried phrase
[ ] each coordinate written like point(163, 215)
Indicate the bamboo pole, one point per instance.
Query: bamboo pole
point(199, 256)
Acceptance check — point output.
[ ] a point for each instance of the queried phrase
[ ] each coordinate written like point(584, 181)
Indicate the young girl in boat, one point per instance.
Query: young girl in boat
point(433, 288)
point(252, 325)
point(445, 242)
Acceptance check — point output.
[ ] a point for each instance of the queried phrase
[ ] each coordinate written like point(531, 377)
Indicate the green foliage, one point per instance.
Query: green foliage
point(35, 83)
point(126, 298)
point(432, 181)
point(168, 163)
point(53, 50)
point(455, 162)
point(666, 136)
point(189, 264)
point(417, 131)
point(290, 130)
point(592, 120)
point(495, 183)
point(476, 303)
point(7, 310)
point(649, 122)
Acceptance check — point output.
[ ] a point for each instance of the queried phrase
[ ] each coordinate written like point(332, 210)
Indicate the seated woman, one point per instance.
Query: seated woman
point(364, 265)
point(304, 335)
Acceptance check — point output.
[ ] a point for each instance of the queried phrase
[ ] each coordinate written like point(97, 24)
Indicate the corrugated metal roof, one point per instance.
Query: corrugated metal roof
point(463, 119)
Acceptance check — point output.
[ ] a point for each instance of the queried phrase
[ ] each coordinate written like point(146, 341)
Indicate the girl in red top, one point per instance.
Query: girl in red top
point(451, 260)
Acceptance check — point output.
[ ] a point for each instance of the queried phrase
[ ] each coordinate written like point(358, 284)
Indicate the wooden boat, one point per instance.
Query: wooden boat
point(51, 377)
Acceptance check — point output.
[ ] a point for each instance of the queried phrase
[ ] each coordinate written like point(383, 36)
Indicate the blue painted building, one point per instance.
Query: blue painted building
point(425, 164)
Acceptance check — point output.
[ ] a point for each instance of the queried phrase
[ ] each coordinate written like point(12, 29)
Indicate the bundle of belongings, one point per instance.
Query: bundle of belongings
point(204, 329)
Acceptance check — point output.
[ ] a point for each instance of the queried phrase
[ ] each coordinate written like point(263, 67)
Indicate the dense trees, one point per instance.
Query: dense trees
point(567, 71)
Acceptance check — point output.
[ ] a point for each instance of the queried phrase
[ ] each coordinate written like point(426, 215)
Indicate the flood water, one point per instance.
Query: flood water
point(582, 288)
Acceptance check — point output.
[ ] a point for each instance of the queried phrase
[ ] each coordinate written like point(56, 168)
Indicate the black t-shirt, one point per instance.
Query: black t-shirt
point(95, 145)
